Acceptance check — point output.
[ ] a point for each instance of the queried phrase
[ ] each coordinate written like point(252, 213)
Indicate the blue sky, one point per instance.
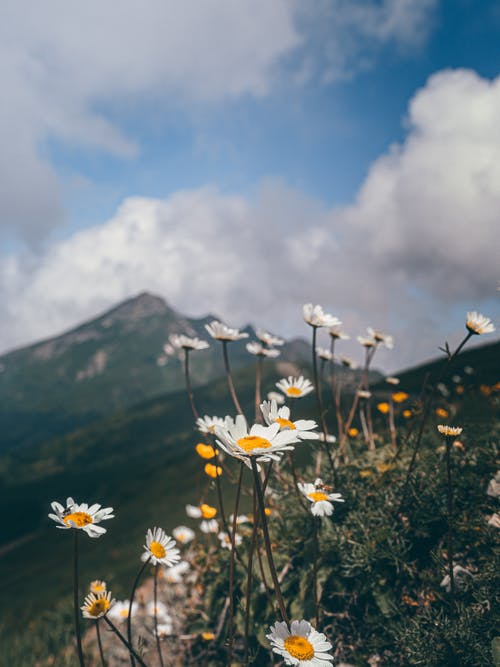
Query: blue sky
point(306, 137)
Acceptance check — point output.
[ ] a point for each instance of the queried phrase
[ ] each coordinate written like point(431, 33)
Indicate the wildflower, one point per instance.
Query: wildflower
point(441, 412)
point(220, 331)
point(276, 396)
point(366, 342)
point(120, 610)
point(81, 516)
point(205, 451)
point(493, 489)
point(163, 630)
point(95, 606)
point(459, 574)
point(210, 526)
point(337, 333)
point(268, 339)
point(494, 520)
point(295, 387)
point(213, 471)
point(383, 408)
point(260, 351)
point(97, 586)
point(187, 343)
point(392, 380)
point(225, 540)
point(364, 393)
point(174, 574)
point(183, 534)
point(324, 354)
point(400, 396)
point(207, 636)
point(450, 431)
point(353, 432)
point(263, 442)
point(267, 511)
point(460, 389)
point(315, 317)
point(169, 350)
point(365, 473)
point(208, 424)
point(348, 363)
point(160, 610)
point(379, 337)
point(274, 415)
point(204, 511)
point(406, 414)
point(321, 500)
point(478, 324)
point(160, 547)
point(384, 467)
point(241, 518)
point(301, 645)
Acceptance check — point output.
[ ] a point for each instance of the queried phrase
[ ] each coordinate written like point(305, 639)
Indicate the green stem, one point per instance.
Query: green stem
point(231, 567)
point(321, 413)
point(229, 377)
point(99, 643)
point(155, 598)
point(449, 494)
point(76, 596)
point(129, 618)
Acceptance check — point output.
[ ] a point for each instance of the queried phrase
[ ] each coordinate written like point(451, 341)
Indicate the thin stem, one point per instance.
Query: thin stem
point(155, 597)
point(230, 628)
point(392, 426)
point(249, 575)
point(125, 642)
point(315, 569)
point(258, 383)
point(267, 542)
point(99, 643)
point(449, 490)
point(188, 385)
point(229, 377)
point(76, 597)
point(131, 603)
point(321, 413)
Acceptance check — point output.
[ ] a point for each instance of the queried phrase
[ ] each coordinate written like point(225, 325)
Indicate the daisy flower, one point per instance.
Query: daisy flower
point(95, 606)
point(220, 331)
point(81, 516)
point(204, 511)
point(338, 334)
point(183, 534)
point(274, 415)
point(295, 387)
point(324, 354)
point(479, 324)
point(392, 380)
point(301, 645)
point(163, 630)
point(120, 609)
point(210, 526)
point(365, 341)
point(208, 424)
point(321, 500)
point(364, 393)
point(315, 317)
point(160, 609)
point(379, 337)
point(225, 540)
point(160, 547)
point(263, 442)
point(268, 339)
point(276, 396)
point(241, 518)
point(260, 351)
point(187, 343)
point(97, 586)
point(174, 574)
point(348, 363)
point(450, 431)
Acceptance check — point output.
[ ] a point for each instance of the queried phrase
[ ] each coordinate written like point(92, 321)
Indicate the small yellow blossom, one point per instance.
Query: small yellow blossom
point(383, 408)
point(206, 451)
point(267, 511)
point(460, 389)
point(213, 471)
point(365, 473)
point(441, 412)
point(400, 396)
point(207, 512)
point(406, 414)
point(353, 432)
point(97, 586)
point(384, 467)
point(207, 636)
point(449, 430)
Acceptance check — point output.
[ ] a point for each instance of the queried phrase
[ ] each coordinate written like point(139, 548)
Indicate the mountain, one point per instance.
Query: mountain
point(107, 364)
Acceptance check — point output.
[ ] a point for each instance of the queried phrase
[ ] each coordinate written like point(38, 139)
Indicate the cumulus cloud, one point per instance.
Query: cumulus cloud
point(417, 243)
point(67, 71)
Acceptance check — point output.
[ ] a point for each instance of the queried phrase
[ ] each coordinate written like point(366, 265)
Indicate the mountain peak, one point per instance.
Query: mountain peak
point(138, 307)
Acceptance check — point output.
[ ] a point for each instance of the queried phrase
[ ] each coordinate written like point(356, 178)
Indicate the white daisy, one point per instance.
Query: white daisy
point(364, 393)
point(301, 645)
point(451, 431)
point(274, 415)
point(366, 342)
point(97, 586)
point(321, 500)
point(160, 547)
point(315, 316)
point(295, 387)
point(276, 396)
point(493, 489)
point(173, 575)
point(187, 343)
point(338, 334)
point(479, 324)
point(379, 337)
point(183, 534)
point(392, 380)
point(324, 354)
point(268, 338)
point(163, 630)
point(95, 606)
point(208, 424)
point(81, 516)
point(262, 442)
point(220, 331)
point(202, 511)
point(209, 526)
point(241, 518)
point(161, 611)
point(120, 610)
point(348, 362)
point(225, 540)
point(260, 350)
point(169, 350)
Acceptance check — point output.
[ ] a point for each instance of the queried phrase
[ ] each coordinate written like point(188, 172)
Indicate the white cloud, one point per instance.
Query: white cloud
point(418, 242)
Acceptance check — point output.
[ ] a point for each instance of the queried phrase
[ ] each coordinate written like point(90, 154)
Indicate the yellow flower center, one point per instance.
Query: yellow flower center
point(299, 647)
point(79, 519)
point(157, 549)
point(285, 423)
point(207, 512)
point(251, 442)
point(98, 607)
point(124, 613)
point(98, 587)
point(317, 496)
point(294, 391)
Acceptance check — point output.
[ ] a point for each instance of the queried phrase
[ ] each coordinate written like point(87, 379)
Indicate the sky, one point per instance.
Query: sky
point(242, 158)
